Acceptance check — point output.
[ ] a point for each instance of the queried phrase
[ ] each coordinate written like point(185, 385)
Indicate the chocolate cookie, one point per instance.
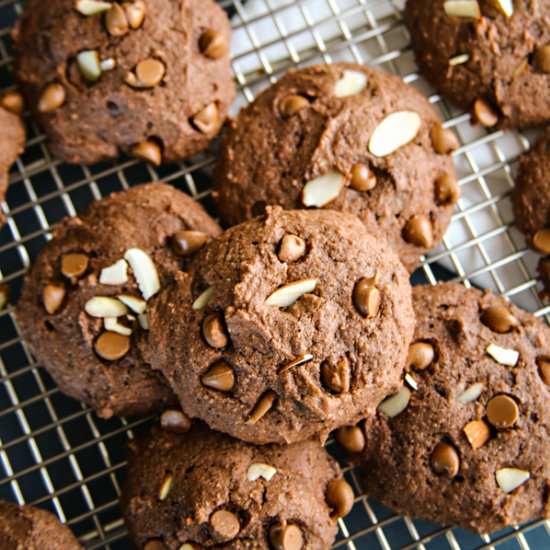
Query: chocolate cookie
point(12, 139)
point(206, 489)
point(27, 528)
point(84, 304)
point(466, 441)
point(348, 138)
point(146, 77)
point(291, 325)
point(490, 56)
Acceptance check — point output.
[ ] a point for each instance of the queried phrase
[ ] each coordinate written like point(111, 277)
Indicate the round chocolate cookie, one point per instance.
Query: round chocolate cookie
point(146, 77)
point(12, 139)
point(348, 138)
point(290, 325)
point(466, 440)
point(490, 56)
point(204, 489)
point(84, 305)
point(27, 528)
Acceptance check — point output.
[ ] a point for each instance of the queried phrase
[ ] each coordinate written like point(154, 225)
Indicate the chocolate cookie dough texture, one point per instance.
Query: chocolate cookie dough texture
point(348, 138)
point(465, 440)
point(12, 139)
point(204, 489)
point(490, 56)
point(85, 301)
point(27, 528)
point(150, 78)
point(290, 325)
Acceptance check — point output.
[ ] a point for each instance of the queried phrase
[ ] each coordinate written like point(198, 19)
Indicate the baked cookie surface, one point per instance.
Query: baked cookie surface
point(27, 528)
point(12, 139)
point(469, 444)
point(290, 325)
point(206, 489)
point(150, 78)
point(348, 138)
point(493, 58)
point(84, 303)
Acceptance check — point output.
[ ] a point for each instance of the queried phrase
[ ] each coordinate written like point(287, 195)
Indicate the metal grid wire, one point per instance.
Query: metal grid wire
point(54, 452)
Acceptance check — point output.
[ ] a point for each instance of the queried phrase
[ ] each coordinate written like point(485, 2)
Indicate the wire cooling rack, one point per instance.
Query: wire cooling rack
point(55, 453)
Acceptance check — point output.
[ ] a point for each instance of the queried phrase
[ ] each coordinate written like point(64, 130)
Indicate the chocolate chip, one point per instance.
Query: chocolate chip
point(148, 150)
point(421, 355)
point(447, 190)
point(541, 241)
point(477, 432)
point(52, 297)
point(291, 104)
point(112, 346)
point(542, 59)
point(262, 407)
point(74, 265)
point(219, 376)
point(499, 319)
point(351, 438)
point(366, 298)
point(286, 537)
point(544, 369)
point(336, 376)
point(484, 113)
point(13, 102)
point(175, 421)
point(4, 296)
point(207, 120)
point(502, 411)
point(362, 178)
point(291, 249)
point(444, 141)
point(444, 460)
point(418, 231)
point(187, 242)
point(154, 545)
point(213, 44)
point(225, 524)
point(339, 497)
point(116, 21)
point(213, 331)
point(52, 98)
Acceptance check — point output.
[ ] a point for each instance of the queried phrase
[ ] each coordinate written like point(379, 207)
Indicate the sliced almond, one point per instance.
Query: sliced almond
point(509, 479)
point(103, 306)
point(471, 393)
point(112, 324)
point(107, 64)
point(88, 65)
point(258, 470)
point(165, 487)
point(322, 190)
point(92, 7)
point(462, 8)
point(135, 13)
point(137, 305)
point(288, 294)
point(395, 404)
point(411, 382)
point(459, 59)
point(116, 274)
point(350, 83)
point(143, 320)
point(395, 131)
point(144, 270)
point(506, 7)
point(204, 299)
point(504, 356)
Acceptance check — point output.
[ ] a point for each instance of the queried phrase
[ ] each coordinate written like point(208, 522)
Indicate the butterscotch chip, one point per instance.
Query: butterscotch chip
point(444, 460)
point(213, 331)
point(502, 411)
point(484, 114)
point(187, 242)
point(499, 319)
point(150, 72)
point(421, 355)
point(278, 504)
point(74, 265)
point(477, 432)
point(340, 498)
point(116, 21)
point(367, 298)
point(149, 151)
point(112, 346)
point(52, 98)
point(219, 376)
point(541, 241)
point(13, 102)
point(154, 545)
point(542, 59)
point(4, 296)
point(362, 178)
point(165, 487)
point(135, 13)
point(351, 438)
point(447, 190)
point(175, 421)
point(291, 249)
point(213, 44)
point(52, 297)
point(262, 407)
point(207, 120)
point(335, 376)
point(444, 140)
point(544, 367)
point(419, 231)
point(292, 104)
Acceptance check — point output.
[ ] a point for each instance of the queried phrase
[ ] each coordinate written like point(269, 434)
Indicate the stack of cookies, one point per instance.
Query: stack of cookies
point(255, 343)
